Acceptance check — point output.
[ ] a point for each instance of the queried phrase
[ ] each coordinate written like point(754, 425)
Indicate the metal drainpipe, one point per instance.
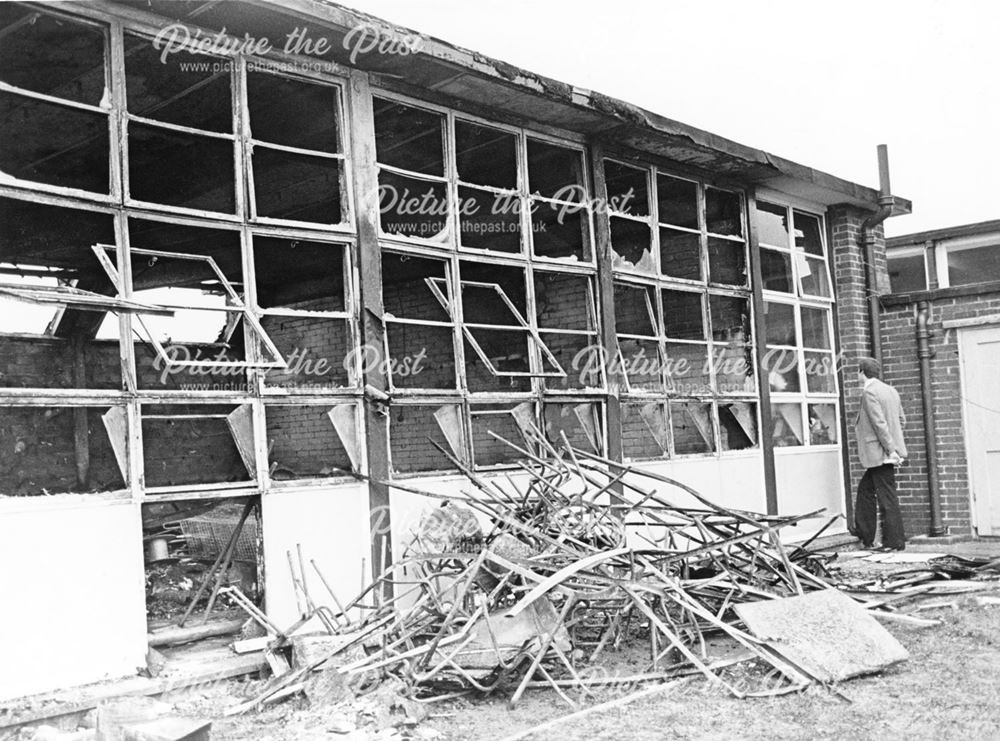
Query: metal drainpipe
point(924, 353)
point(885, 201)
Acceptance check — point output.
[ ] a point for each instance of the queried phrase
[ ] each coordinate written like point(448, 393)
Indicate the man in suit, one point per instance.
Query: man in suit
point(879, 432)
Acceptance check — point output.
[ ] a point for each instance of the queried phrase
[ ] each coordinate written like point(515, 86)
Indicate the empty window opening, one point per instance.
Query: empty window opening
point(680, 254)
point(632, 244)
point(577, 424)
point(315, 125)
point(194, 445)
point(298, 275)
point(489, 220)
point(490, 420)
point(566, 313)
point(411, 207)
point(645, 432)
point(485, 156)
point(727, 261)
point(297, 187)
point(59, 450)
point(195, 552)
point(419, 330)
point(416, 437)
point(52, 55)
point(409, 138)
point(677, 201)
point(691, 423)
point(682, 315)
point(787, 425)
point(56, 325)
point(555, 172)
point(177, 168)
point(303, 442)
point(560, 231)
point(723, 212)
point(179, 88)
point(628, 188)
point(54, 144)
point(316, 353)
point(737, 425)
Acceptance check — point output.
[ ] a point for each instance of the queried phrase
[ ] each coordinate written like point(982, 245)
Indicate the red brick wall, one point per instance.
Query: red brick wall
point(902, 370)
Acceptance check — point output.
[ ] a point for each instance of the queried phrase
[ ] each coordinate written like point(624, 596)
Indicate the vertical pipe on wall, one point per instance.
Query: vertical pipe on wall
point(885, 201)
point(924, 354)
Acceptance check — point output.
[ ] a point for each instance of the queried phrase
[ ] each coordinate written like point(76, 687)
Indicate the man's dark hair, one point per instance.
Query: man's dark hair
point(870, 367)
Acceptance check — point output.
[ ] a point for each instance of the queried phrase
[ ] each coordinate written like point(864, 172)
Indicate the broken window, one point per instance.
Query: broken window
point(185, 445)
point(309, 441)
point(645, 431)
point(786, 425)
point(505, 421)
point(823, 426)
point(58, 328)
point(680, 254)
point(409, 138)
point(489, 220)
point(776, 271)
point(413, 207)
point(677, 202)
point(723, 212)
point(555, 172)
point(419, 329)
point(727, 261)
point(296, 162)
point(302, 292)
point(579, 424)
point(632, 243)
point(485, 156)
point(687, 366)
point(638, 332)
point(45, 140)
point(737, 425)
point(418, 433)
point(732, 348)
point(61, 449)
point(197, 273)
point(566, 314)
point(691, 424)
point(180, 140)
point(186, 544)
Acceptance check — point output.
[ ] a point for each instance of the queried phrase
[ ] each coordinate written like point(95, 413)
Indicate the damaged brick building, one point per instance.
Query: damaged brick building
point(236, 275)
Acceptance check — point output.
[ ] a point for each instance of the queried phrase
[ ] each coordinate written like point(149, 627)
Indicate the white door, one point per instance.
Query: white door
point(980, 356)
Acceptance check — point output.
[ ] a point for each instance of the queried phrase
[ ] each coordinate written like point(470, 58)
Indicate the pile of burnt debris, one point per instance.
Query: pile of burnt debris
point(529, 582)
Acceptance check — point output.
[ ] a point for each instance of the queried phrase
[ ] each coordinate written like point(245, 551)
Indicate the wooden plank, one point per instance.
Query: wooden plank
point(827, 634)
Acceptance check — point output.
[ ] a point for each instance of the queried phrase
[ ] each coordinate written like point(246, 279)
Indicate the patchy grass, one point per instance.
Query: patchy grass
point(947, 690)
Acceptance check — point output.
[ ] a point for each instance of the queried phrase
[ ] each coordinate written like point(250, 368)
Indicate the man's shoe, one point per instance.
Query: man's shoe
point(887, 549)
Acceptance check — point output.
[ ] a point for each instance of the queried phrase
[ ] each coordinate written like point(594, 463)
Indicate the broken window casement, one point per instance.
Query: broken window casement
point(645, 430)
point(212, 312)
point(297, 164)
point(419, 330)
point(490, 423)
point(823, 425)
point(180, 132)
point(691, 427)
point(566, 315)
point(786, 424)
point(579, 424)
point(194, 446)
point(418, 434)
point(311, 441)
point(496, 330)
point(60, 450)
point(413, 187)
point(54, 100)
point(637, 327)
point(305, 298)
point(799, 355)
point(737, 425)
point(58, 322)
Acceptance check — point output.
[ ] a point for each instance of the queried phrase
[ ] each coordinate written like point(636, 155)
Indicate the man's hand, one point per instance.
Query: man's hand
point(895, 459)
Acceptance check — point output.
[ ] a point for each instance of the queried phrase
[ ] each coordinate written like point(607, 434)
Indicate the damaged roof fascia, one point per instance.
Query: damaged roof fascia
point(490, 83)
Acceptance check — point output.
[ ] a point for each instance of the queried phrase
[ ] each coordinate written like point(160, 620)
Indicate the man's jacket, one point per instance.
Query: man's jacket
point(879, 428)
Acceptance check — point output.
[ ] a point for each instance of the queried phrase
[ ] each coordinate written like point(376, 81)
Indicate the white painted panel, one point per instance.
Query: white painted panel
point(979, 352)
point(332, 525)
point(808, 480)
point(72, 593)
point(735, 482)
